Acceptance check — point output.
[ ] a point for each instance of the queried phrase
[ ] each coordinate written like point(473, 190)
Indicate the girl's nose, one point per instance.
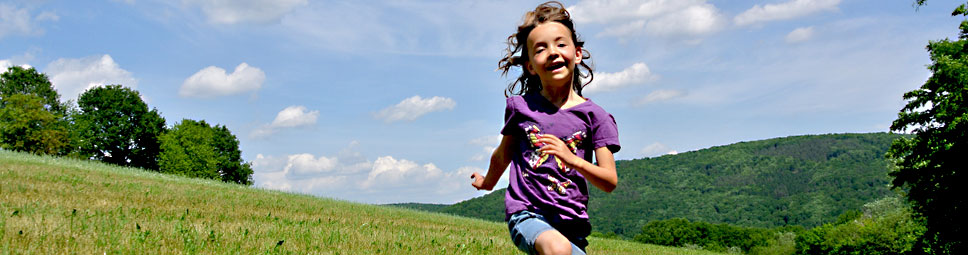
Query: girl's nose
point(553, 53)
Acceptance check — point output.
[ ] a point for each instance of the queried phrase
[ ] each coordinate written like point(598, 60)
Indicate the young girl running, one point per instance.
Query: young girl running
point(550, 134)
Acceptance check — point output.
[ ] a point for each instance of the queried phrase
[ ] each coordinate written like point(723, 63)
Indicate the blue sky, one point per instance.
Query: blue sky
point(399, 101)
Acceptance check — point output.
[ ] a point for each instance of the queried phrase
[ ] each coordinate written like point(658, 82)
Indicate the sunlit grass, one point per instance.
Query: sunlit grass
point(54, 205)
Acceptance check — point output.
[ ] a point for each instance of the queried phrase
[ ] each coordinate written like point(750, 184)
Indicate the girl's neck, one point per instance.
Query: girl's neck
point(561, 96)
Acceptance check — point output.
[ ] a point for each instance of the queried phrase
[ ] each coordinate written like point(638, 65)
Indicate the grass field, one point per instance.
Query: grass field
point(53, 205)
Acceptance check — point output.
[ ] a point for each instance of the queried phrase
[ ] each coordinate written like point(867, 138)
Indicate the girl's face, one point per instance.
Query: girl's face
point(552, 55)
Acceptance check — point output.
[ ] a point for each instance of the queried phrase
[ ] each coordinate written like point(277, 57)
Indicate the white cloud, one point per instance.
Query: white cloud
point(305, 163)
point(18, 21)
point(213, 81)
point(388, 171)
point(696, 20)
point(412, 108)
point(349, 176)
point(657, 149)
point(636, 74)
point(251, 11)
point(7, 63)
point(689, 18)
point(295, 116)
point(799, 35)
point(292, 116)
point(268, 163)
point(20, 60)
point(71, 77)
point(783, 11)
point(661, 95)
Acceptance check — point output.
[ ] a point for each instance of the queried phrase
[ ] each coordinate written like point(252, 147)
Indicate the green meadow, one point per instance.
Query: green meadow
point(51, 205)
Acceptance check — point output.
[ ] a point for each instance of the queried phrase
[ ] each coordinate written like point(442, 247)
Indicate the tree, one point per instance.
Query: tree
point(930, 165)
point(186, 150)
point(231, 167)
point(25, 125)
point(115, 126)
point(17, 80)
point(33, 118)
point(196, 149)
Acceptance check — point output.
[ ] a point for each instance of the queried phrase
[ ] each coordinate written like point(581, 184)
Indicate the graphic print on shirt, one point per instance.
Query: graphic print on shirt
point(558, 186)
point(535, 158)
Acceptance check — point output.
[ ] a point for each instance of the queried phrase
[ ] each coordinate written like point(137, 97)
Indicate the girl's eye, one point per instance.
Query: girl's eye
point(561, 45)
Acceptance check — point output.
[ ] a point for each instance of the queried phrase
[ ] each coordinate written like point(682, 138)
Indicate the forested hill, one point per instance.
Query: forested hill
point(800, 180)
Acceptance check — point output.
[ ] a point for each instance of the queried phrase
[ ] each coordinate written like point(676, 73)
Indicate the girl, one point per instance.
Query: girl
point(550, 133)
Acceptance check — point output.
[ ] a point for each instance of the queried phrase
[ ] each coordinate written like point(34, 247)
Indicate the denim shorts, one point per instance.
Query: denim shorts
point(525, 227)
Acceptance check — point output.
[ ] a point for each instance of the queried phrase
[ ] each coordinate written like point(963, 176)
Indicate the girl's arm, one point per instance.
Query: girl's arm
point(602, 175)
point(499, 162)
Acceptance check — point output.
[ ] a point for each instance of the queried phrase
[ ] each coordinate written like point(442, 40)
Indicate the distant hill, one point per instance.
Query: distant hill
point(801, 180)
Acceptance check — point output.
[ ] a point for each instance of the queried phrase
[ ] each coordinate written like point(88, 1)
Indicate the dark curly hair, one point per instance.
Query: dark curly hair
point(517, 51)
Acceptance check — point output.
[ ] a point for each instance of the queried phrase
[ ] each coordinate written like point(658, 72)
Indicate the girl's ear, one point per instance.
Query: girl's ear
point(530, 68)
point(578, 54)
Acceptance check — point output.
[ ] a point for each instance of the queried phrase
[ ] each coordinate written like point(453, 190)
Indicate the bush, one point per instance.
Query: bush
point(886, 227)
point(714, 237)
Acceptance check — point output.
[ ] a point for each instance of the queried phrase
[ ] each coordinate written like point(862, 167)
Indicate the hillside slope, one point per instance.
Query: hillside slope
point(799, 180)
point(58, 206)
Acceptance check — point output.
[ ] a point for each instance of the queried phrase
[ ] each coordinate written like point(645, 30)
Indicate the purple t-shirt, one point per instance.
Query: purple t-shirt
point(541, 183)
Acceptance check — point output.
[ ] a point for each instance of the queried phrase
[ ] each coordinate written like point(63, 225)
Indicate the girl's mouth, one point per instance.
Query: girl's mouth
point(555, 66)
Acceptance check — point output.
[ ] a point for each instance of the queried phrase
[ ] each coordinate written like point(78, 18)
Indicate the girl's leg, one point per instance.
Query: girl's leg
point(552, 242)
point(533, 235)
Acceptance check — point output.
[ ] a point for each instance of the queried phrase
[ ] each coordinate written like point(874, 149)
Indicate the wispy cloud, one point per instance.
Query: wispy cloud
point(488, 145)
point(799, 35)
point(73, 76)
point(660, 95)
point(412, 108)
point(213, 81)
point(19, 21)
point(783, 11)
point(671, 19)
point(252, 11)
point(445, 28)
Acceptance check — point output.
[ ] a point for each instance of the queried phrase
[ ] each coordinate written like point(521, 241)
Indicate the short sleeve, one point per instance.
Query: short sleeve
point(510, 113)
point(605, 133)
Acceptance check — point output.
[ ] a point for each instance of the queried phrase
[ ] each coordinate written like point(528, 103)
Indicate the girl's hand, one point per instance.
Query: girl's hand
point(554, 146)
point(478, 182)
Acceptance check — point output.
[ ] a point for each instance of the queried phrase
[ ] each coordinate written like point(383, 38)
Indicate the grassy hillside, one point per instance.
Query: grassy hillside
point(800, 180)
point(420, 206)
point(57, 206)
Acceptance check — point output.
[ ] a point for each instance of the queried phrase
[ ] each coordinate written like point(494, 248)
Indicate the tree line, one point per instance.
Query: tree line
point(114, 125)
